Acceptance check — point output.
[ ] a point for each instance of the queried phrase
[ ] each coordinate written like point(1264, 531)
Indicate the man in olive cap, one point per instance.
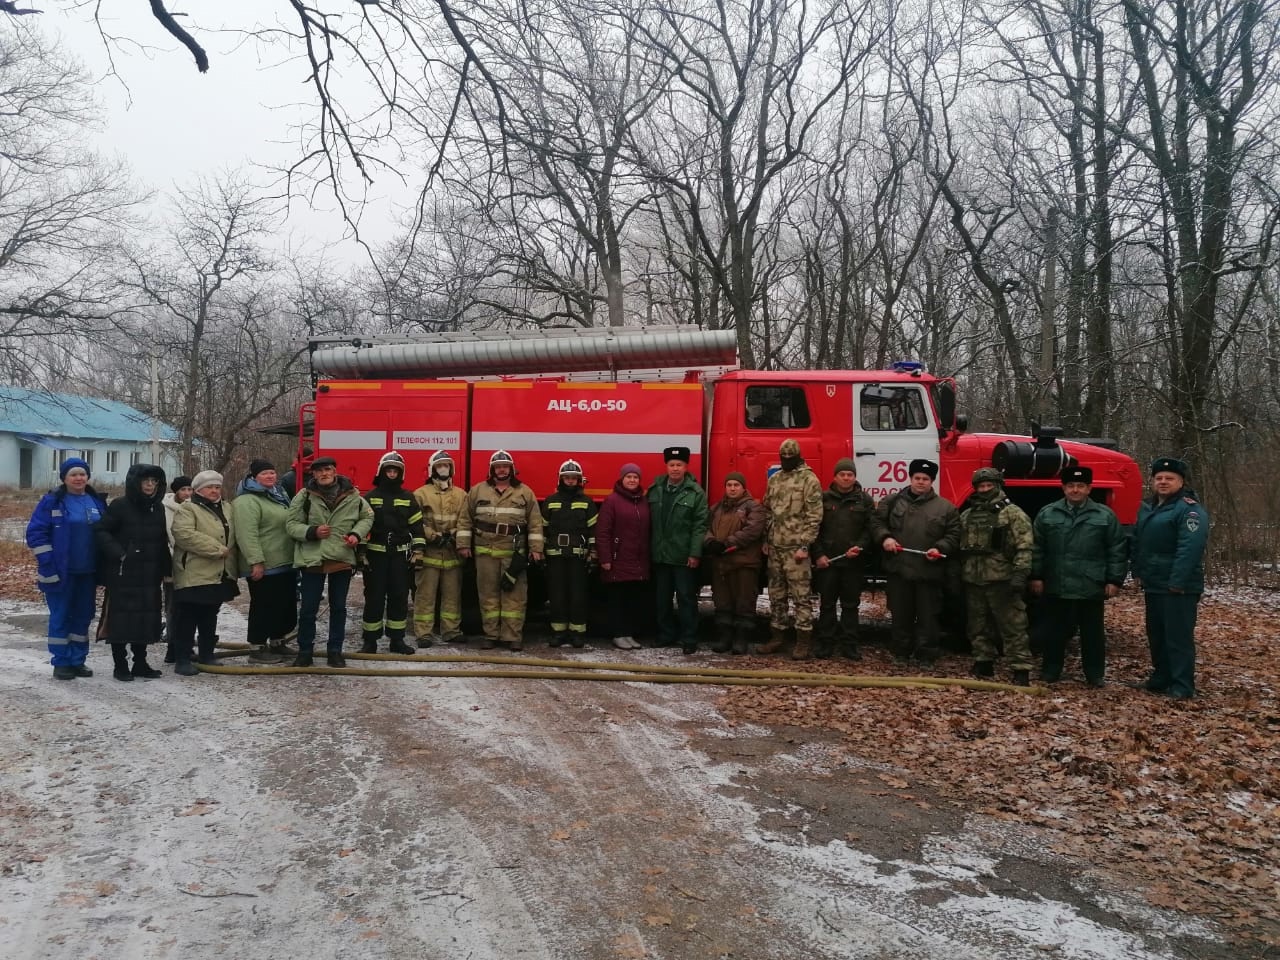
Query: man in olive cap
point(1168, 564)
point(1078, 562)
point(793, 500)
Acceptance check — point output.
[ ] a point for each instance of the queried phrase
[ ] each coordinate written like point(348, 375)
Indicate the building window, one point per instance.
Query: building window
point(776, 408)
point(113, 461)
point(87, 457)
point(887, 407)
point(135, 458)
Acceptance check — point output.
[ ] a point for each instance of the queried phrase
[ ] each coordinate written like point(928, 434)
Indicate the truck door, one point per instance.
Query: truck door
point(892, 425)
point(771, 413)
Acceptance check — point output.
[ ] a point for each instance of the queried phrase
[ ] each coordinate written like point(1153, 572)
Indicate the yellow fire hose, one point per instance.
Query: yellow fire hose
point(532, 668)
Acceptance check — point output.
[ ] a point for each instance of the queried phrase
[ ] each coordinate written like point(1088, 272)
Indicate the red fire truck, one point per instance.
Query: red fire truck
point(610, 397)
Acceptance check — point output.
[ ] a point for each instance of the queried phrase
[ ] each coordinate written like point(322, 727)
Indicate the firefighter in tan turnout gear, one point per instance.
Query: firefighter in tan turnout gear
point(501, 525)
point(439, 581)
point(794, 502)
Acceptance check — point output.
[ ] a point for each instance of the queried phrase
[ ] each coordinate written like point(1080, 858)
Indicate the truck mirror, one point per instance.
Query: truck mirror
point(946, 406)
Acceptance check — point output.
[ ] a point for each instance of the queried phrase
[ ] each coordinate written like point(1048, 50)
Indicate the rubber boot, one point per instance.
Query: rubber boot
point(369, 646)
point(427, 640)
point(577, 640)
point(303, 659)
point(336, 659)
point(777, 639)
point(64, 673)
point(170, 654)
point(206, 648)
point(120, 654)
point(850, 650)
point(984, 669)
point(558, 638)
point(724, 638)
point(1022, 678)
point(742, 640)
point(402, 648)
point(804, 645)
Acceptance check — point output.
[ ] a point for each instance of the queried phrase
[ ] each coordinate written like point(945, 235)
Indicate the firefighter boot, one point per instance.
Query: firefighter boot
point(558, 639)
point(777, 637)
point(399, 646)
point(724, 638)
point(804, 645)
point(369, 646)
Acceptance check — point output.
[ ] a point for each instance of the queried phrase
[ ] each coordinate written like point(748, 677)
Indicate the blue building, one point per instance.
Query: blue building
point(38, 430)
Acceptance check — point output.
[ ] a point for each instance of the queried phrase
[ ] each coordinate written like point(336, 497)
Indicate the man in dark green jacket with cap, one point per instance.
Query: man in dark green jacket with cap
point(1078, 562)
point(678, 511)
point(1168, 564)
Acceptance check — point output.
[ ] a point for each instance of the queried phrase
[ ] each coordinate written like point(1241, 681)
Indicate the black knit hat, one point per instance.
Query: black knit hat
point(179, 482)
point(258, 465)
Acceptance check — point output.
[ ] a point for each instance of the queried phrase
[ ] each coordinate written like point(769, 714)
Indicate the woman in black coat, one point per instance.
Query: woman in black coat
point(133, 548)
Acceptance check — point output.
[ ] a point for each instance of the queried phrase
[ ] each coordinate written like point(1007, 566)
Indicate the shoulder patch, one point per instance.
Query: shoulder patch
point(1190, 500)
point(1193, 522)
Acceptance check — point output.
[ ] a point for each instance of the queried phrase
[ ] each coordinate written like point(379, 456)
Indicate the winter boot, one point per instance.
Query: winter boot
point(402, 648)
point(742, 640)
point(724, 638)
point(558, 639)
point(488, 643)
point(984, 669)
point(369, 646)
point(303, 659)
point(143, 669)
point(804, 645)
point(1022, 678)
point(82, 671)
point(577, 640)
point(64, 673)
point(170, 654)
point(427, 640)
point(777, 639)
point(261, 653)
point(850, 650)
point(120, 655)
point(281, 647)
point(336, 659)
point(185, 668)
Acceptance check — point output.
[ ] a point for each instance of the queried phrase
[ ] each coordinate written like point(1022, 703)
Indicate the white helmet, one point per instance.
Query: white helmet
point(571, 468)
point(441, 458)
point(501, 456)
point(390, 459)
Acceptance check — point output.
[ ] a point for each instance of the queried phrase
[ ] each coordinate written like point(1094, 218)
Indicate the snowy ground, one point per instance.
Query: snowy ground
point(324, 817)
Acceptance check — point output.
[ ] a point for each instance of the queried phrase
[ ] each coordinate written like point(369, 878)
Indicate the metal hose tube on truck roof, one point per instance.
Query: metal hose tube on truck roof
point(539, 669)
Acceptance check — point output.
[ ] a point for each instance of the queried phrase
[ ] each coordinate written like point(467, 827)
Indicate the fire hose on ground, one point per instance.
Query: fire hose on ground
point(532, 668)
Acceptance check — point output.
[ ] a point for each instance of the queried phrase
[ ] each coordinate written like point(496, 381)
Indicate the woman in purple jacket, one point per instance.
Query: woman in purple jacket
point(622, 542)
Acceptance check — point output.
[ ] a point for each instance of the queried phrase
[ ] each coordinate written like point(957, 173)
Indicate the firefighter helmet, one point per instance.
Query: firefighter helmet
point(501, 456)
point(571, 468)
point(391, 459)
point(441, 458)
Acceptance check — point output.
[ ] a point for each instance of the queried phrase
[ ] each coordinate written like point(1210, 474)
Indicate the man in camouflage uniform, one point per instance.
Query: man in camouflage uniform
point(793, 500)
point(995, 552)
point(502, 525)
point(441, 575)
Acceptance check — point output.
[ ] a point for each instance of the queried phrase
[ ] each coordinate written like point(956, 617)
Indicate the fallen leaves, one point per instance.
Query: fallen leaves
point(1161, 790)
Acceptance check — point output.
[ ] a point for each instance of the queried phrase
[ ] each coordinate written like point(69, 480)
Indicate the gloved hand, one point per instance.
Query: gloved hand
point(418, 560)
point(436, 540)
point(713, 548)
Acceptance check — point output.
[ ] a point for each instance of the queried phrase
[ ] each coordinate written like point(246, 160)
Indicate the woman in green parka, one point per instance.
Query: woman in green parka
point(266, 561)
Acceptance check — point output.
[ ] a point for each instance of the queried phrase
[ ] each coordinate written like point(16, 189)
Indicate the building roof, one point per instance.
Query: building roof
point(41, 414)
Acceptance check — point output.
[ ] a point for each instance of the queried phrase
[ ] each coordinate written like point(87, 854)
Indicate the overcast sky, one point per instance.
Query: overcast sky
point(172, 124)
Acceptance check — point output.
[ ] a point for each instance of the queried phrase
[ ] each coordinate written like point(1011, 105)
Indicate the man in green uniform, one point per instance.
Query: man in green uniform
point(678, 510)
point(995, 557)
point(1078, 562)
point(1168, 564)
point(793, 500)
point(843, 537)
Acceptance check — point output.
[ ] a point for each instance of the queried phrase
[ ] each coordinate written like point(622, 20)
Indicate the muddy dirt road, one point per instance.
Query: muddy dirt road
point(321, 817)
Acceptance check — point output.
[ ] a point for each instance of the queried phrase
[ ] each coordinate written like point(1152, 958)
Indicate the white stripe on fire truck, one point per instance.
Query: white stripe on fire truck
point(583, 442)
point(352, 440)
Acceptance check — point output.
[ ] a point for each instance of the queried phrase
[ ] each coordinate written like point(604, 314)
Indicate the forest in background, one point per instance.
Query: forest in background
point(1069, 206)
